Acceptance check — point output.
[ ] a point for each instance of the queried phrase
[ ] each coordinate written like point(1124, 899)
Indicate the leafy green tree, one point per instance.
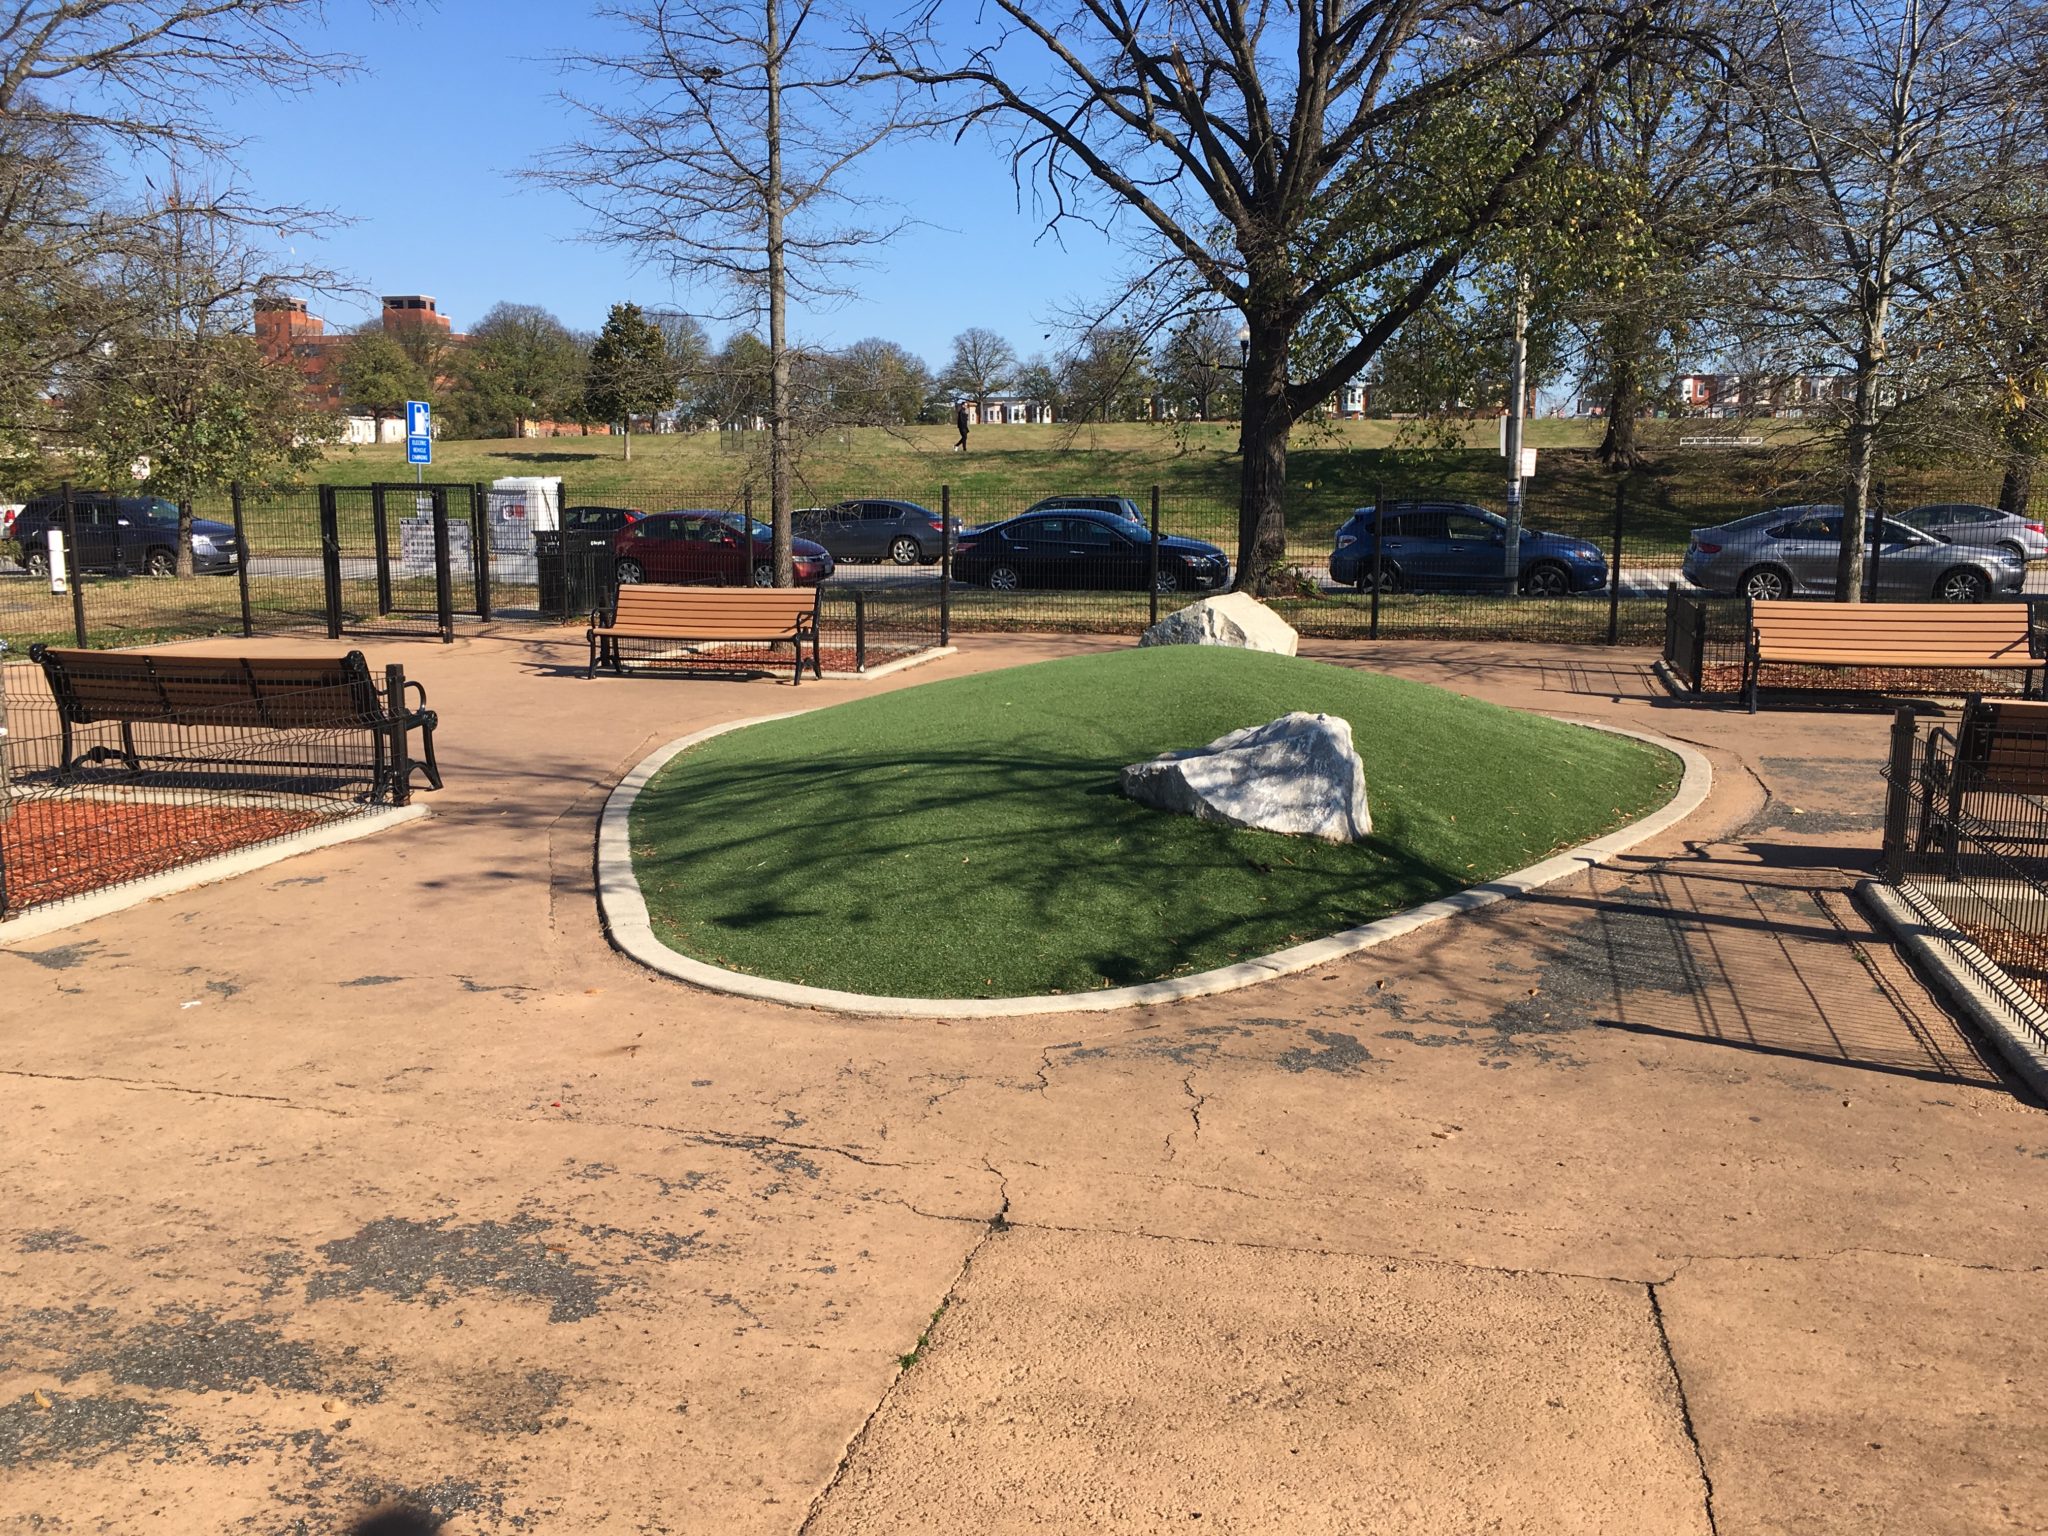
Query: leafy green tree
point(378, 376)
point(630, 372)
point(1198, 365)
point(983, 364)
point(1110, 377)
point(521, 365)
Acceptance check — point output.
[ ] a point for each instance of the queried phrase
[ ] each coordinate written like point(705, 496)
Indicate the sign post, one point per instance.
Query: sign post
point(419, 437)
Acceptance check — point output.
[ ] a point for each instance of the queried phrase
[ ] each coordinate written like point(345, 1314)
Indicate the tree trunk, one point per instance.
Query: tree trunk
point(1856, 492)
point(778, 319)
point(626, 433)
point(1619, 448)
point(184, 565)
point(2016, 490)
point(1262, 447)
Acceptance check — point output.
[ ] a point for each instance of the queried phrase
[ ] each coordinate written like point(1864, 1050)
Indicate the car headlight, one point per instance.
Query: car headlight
point(1587, 555)
point(1344, 539)
point(201, 544)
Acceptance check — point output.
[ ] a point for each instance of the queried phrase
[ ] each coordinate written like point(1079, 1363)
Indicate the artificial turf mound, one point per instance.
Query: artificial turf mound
point(967, 838)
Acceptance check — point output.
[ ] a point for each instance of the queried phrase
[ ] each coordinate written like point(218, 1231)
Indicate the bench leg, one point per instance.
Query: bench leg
point(66, 764)
point(430, 767)
point(380, 773)
point(590, 667)
point(128, 747)
point(797, 677)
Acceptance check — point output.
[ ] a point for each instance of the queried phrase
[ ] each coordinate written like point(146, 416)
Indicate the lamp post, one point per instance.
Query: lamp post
point(1244, 363)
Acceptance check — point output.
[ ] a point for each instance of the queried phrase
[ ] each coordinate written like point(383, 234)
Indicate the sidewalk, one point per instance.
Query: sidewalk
point(1665, 1200)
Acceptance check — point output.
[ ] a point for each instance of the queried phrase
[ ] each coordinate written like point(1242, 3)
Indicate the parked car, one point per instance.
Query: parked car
point(1114, 506)
point(1087, 549)
point(598, 519)
point(901, 531)
point(1449, 546)
point(1792, 552)
point(710, 547)
point(1962, 522)
point(135, 534)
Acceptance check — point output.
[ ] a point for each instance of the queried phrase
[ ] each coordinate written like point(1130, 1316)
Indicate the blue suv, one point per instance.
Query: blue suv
point(1450, 546)
point(132, 535)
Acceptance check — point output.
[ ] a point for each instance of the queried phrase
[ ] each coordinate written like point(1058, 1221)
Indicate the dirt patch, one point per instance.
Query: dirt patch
point(53, 849)
point(42, 1426)
point(431, 1261)
point(1726, 677)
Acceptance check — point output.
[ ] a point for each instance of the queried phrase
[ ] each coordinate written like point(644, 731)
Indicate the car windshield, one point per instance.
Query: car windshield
point(755, 526)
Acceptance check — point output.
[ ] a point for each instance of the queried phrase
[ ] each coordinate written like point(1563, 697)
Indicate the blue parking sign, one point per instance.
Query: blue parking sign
point(419, 450)
point(419, 418)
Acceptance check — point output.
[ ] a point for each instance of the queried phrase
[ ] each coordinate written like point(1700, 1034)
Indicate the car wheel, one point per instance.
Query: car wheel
point(36, 562)
point(1168, 580)
point(1004, 578)
point(1390, 579)
point(1546, 580)
point(764, 575)
point(161, 562)
point(631, 573)
point(1765, 584)
point(1962, 585)
point(907, 551)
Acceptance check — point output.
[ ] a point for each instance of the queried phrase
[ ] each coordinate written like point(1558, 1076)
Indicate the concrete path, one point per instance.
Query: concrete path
point(1665, 1201)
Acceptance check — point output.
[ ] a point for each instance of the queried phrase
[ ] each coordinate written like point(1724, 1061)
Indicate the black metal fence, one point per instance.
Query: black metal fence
point(1966, 842)
point(91, 798)
point(408, 559)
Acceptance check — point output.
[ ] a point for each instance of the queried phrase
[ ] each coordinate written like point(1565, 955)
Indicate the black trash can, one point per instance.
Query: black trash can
point(547, 555)
point(590, 572)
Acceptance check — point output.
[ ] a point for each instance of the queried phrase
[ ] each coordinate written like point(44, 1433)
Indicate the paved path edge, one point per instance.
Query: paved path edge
point(225, 866)
point(1957, 969)
point(624, 911)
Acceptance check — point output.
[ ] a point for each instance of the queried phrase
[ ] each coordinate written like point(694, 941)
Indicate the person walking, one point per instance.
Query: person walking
point(960, 421)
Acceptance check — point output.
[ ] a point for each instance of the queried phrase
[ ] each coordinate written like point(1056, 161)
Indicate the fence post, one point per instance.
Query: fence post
point(1152, 574)
point(241, 557)
point(330, 560)
point(444, 587)
point(1614, 570)
point(1874, 514)
point(73, 571)
point(480, 546)
point(394, 711)
point(1699, 647)
point(1898, 798)
point(380, 516)
point(1379, 521)
point(946, 565)
point(860, 630)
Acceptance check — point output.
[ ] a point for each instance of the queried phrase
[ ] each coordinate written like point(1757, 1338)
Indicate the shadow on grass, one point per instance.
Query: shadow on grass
point(934, 864)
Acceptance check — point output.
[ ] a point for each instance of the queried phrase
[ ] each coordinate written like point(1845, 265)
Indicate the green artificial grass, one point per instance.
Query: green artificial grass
point(967, 838)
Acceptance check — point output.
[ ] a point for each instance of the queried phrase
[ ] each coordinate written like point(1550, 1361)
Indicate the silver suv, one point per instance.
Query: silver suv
point(1792, 552)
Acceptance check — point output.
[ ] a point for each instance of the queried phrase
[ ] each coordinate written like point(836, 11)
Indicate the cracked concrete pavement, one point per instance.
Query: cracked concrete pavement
point(1664, 1200)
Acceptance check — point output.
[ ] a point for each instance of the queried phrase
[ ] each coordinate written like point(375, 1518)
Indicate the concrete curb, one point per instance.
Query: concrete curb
point(1961, 973)
point(626, 922)
point(901, 664)
point(225, 866)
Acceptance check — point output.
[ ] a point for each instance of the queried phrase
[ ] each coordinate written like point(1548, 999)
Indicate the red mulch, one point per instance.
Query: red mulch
point(834, 658)
point(1726, 677)
point(2022, 956)
point(51, 849)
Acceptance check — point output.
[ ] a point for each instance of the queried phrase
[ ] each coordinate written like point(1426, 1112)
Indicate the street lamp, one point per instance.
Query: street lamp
point(1244, 347)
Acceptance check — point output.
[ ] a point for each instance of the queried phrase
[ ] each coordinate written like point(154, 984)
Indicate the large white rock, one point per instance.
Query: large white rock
point(1230, 618)
point(1298, 774)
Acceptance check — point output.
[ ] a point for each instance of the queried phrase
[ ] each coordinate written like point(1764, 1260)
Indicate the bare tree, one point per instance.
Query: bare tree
point(983, 364)
point(1881, 122)
point(1292, 157)
point(719, 153)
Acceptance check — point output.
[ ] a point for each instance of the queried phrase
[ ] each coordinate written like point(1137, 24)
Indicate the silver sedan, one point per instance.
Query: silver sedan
point(1791, 552)
point(1962, 522)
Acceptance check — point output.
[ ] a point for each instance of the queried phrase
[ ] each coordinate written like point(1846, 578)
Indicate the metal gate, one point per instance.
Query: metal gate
point(403, 559)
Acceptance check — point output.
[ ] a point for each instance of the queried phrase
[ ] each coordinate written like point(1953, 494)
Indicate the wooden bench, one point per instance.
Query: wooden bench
point(1999, 748)
point(714, 615)
point(240, 694)
point(1922, 637)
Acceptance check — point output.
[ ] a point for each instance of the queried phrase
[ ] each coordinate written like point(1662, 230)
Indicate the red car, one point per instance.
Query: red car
point(683, 548)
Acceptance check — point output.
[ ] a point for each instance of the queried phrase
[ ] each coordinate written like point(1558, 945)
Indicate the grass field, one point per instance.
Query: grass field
point(967, 838)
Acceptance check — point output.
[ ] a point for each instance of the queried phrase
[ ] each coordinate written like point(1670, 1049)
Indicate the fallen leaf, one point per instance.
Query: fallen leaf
point(41, 1400)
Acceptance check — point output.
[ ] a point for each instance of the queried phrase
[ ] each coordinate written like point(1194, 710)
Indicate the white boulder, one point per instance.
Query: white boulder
point(1298, 774)
point(1230, 618)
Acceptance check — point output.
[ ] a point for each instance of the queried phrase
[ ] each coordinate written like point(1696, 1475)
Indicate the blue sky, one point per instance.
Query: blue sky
point(421, 150)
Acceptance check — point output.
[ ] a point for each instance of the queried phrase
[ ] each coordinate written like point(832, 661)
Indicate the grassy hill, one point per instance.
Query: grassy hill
point(1333, 467)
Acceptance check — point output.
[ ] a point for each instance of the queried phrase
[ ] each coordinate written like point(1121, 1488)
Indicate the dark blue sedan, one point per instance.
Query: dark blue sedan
point(1097, 550)
point(1449, 546)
